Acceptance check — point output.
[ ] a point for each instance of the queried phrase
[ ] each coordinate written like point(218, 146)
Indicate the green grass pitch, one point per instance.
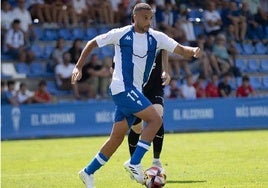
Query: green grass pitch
point(217, 159)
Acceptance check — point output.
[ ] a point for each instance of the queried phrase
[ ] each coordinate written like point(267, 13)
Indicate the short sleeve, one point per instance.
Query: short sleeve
point(167, 43)
point(107, 38)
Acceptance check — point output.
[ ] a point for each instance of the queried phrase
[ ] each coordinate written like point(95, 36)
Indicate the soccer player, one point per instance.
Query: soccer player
point(136, 46)
point(154, 91)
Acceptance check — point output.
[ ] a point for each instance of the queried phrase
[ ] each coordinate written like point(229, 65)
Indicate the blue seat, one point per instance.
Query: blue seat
point(253, 65)
point(264, 65)
point(238, 81)
point(53, 89)
point(64, 33)
point(107, 51)
point(195, 15)
point(48, 49)
point(38, 32)
point(103, 30)
point(255, 81)
point(50, 35)
point(77, 33)
point(37, 50)
point(36, 69)
point(239, 48)
point(248, 48)
point(260, 48)
point(22, 68)
point(90, 33)
point(233, 83)
point(265, 82)
point(241, 64)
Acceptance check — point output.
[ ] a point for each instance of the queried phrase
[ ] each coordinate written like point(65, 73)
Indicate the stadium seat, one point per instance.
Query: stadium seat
point(8, 70)
point(52, 88)
point(233, 83)
point(248, 48)
point(195, 15)
point(37, 50)
point(198, 29)
point(239, 48)
point(253, 65)
point(264, 65)
point(48, 49)
point(38, 32)
point(107, 51)
point(241, 64)
point(238, 81)
point(64, 33)
point(255, 81)
point(50, 35)
point(265, 82)
point(90, 33)
point(103, 30)
point(23, 68)
point(260, 48)
point(77, 33)
point(37, 69)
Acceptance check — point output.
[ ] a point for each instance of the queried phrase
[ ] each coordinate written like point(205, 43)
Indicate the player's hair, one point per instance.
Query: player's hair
point(141, 6)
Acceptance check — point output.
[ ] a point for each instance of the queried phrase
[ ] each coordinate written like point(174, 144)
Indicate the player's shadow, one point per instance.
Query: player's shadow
point(186, 181)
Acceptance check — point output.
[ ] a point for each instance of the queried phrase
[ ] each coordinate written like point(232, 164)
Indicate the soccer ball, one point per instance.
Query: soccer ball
point(155, 177)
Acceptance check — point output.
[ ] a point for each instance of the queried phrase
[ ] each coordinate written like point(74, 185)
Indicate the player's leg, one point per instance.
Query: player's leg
point(158, 139)
point(116, 137)
point(134, 135)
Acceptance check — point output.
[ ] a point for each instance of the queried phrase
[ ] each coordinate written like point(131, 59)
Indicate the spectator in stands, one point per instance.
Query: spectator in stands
point(63, 73)
point(81, 11)
point(22, 14)
point(203, 61)
point(57, 53)
point(63, 13)
point(223, 58)
point(245, 90)
point(25, 96)
point(188, 91)
point(41, 95)
point(224, 86)
point(167, 18)
point(115, 8)
point(10, 95)
point(254, 30)
point(212, 87)
point(14, 43)
point(185, 24)
point(262, 18)
point(6, 19)
point(199, 86)
point(212, 19)
point(232, 15)
point(172, 91)
point(230, 41)
point(99, 76)
point(37, 10)
point(75, 50)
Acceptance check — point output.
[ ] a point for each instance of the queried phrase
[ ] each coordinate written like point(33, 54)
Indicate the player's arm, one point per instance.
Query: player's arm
point(165, 70)
point(187, 51)
point(77, 71)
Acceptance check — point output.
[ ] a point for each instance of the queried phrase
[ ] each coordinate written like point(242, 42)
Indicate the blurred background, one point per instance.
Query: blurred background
point(41, 41)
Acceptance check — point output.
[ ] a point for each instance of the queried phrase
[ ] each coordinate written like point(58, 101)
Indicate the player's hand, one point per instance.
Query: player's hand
point(76, 75)
point(197, 52)
point(166, 78)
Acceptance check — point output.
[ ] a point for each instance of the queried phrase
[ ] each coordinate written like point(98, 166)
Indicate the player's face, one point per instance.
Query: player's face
point(143, 20)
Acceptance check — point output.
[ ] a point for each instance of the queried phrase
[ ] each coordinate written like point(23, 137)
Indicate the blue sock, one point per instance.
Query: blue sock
point(142, 148)
point(98, 161)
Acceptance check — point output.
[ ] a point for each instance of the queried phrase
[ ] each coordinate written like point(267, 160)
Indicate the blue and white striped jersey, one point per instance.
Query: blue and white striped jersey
point(135, 55)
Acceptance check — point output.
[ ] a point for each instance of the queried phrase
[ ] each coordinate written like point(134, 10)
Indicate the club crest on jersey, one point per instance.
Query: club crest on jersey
point(128, 37)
